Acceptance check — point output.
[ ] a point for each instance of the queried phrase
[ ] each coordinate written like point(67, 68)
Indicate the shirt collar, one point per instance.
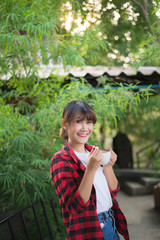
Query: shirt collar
point(69, 151)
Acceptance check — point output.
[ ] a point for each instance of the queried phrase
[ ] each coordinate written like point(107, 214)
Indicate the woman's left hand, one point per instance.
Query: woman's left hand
point(109, 173)
point(113, 158)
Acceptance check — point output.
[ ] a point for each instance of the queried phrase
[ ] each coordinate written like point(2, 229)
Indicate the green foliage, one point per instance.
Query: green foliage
point(122, 22)
point(29, 141)
point(31, 33)
point(22, 164)
point(144, 128)
point(151, 48)
point(80, 49)
point(145, 124)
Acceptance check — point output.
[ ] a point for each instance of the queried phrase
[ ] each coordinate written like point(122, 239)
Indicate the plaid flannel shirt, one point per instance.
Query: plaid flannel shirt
point(80, 218)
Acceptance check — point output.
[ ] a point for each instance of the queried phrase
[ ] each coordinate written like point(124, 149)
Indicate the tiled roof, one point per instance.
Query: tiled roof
point(96, 71)
point(148, 75)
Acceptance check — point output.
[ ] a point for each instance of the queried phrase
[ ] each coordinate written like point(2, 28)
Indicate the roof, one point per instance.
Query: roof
point(145, 75)
point(97, 71)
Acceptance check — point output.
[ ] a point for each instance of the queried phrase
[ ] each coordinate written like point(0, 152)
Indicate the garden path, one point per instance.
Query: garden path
point(143, 219)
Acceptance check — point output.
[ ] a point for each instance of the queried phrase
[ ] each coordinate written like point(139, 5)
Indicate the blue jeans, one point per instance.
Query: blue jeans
point(107, 223)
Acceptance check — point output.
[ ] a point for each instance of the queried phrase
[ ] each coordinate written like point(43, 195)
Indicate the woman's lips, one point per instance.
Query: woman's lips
point(82, 135)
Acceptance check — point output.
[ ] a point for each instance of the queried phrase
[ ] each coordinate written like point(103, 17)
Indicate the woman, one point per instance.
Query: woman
point(86, 190)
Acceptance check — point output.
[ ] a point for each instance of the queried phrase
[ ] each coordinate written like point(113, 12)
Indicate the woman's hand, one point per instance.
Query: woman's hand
point(94, 159)
point(113, 158)
point(109, 173)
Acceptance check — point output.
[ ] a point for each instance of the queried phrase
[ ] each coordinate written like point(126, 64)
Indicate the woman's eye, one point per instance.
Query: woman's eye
point(89, 121)
point(78, 121)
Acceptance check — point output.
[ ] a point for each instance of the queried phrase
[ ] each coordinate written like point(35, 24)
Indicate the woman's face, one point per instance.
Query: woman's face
point(79, 131)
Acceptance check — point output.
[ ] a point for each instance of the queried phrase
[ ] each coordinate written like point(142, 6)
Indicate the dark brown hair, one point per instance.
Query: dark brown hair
point(72, 109)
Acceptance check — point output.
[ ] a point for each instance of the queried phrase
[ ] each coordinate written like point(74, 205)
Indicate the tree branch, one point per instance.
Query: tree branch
point(144, 8)
point(136, 2)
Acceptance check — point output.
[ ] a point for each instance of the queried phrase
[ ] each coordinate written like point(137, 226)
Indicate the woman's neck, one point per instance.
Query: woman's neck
point(78, 148)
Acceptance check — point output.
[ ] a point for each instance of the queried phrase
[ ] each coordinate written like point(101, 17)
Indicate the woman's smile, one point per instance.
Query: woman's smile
point(82, 134)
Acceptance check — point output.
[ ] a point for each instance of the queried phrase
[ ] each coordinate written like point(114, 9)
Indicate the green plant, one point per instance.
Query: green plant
point(24, 175)
point(143, 127)
point(29, 141)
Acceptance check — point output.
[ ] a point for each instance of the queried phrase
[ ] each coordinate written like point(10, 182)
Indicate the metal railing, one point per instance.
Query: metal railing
point(41, 215)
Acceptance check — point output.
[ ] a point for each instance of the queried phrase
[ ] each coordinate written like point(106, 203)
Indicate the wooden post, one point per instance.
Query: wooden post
point(156, 192)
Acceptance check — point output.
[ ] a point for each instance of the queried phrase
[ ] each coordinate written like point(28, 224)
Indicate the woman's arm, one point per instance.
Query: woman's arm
point(63, 176)
point(86, 184)
point(93, 164)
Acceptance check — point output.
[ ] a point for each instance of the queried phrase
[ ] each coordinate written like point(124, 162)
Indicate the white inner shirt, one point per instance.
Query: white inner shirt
point(104, 200)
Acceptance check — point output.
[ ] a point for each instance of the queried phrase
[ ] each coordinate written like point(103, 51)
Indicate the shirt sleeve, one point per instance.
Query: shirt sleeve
point(65, 180)
point(114, 192)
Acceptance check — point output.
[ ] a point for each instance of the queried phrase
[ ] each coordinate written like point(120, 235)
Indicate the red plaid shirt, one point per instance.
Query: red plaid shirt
point(80, 218)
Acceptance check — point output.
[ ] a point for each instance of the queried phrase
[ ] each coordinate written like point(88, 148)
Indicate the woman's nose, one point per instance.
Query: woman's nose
point(84, 126)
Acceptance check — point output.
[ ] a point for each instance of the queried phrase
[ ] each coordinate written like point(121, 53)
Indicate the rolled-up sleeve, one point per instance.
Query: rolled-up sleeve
point(65, 178)
point(114, 192)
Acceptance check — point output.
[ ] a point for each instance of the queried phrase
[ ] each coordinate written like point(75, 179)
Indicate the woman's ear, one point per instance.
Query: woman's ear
point(64, 124)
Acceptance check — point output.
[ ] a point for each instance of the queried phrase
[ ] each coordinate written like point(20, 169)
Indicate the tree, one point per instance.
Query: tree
point(76, 32)
point(127, 24)
point(144, 5)
point(150, 48)
point(31, 33)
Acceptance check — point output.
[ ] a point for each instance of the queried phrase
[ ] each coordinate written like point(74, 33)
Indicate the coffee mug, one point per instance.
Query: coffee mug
point(106, 155)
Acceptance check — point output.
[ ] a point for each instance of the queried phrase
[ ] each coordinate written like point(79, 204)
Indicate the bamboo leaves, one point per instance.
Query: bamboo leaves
point(29, 139)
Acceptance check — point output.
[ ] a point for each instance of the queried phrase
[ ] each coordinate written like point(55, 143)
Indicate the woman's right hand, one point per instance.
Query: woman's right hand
point(94, 159)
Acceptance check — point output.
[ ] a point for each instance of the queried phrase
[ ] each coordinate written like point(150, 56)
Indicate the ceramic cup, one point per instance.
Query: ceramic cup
point(106, 155)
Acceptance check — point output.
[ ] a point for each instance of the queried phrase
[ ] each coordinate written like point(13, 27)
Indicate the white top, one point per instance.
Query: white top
point(104, 200)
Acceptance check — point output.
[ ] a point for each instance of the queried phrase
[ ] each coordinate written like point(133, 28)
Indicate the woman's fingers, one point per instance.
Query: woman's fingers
point(94, 151)
point(113, 158)
point(95, 154)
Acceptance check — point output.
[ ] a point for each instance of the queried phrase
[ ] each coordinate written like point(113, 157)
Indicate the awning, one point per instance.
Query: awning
point(144, 75)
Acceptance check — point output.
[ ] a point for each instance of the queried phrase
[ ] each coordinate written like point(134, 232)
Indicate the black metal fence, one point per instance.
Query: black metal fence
point(37, 221)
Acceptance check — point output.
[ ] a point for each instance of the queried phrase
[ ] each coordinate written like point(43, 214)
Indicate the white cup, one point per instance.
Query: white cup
point(106, 155)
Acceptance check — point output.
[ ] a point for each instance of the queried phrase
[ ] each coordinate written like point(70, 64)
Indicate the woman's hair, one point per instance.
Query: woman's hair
point(74, 108)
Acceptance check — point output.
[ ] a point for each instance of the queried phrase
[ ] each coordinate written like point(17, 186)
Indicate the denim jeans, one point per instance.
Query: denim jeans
point(107, 223)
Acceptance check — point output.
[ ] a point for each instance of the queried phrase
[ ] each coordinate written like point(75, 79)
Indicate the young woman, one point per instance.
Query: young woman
point(86, 190)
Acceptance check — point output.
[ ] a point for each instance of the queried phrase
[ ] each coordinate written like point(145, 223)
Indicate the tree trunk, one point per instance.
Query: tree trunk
point(144, 8)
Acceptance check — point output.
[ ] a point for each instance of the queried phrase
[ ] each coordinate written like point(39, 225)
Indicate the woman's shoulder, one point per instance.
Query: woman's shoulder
point(60, 154)
point(89, 147)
